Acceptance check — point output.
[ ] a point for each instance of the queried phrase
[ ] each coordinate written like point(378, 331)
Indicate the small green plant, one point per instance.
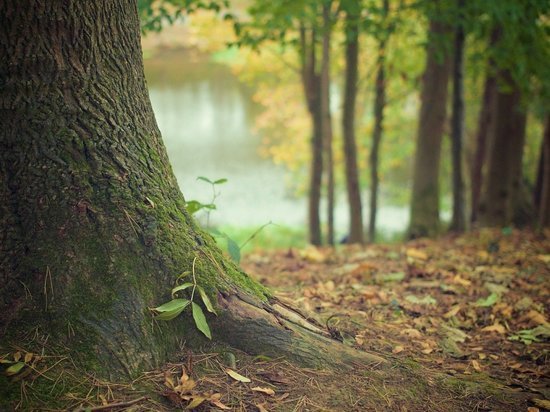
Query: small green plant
point(173, 308)
point(528, 336)
point(193, 206)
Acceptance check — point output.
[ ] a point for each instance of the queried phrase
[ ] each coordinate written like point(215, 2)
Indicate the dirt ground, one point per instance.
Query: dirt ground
point(463, 321)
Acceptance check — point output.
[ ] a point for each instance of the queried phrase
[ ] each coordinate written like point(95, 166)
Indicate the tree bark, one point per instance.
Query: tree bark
point(484, 126)
point(379, 106)
point(353, 186)
point(311, 83)
point(502, 190)
point(458, 220)
point(327, 119)
point(94, 229)
point(425, 193)
point(542, 188)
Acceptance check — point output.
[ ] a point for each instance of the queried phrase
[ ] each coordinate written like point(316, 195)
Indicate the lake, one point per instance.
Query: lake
point(206, 117)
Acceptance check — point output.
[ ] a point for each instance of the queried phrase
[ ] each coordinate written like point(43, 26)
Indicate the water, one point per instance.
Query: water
point(206, 118)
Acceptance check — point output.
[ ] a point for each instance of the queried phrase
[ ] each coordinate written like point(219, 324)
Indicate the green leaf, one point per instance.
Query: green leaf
point(392, 277)
point(206, 300)
point(488, 301)
point(171, 314)
point(234, 250)
point(205, 179)
point(220, 181)
point(183, 286)
point(15, 368)
point(200, 320)
point(172, 305)
point(426, 300)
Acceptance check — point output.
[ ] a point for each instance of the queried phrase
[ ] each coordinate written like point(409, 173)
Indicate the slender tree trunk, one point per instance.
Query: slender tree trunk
point(458, 221)
point(484, 126)
point(348, 126)
point(327, 119)
point(311, 84)
point(379, 105)
point(542, 189)
point(502, 190)
point(425, 193)
point(93, 227)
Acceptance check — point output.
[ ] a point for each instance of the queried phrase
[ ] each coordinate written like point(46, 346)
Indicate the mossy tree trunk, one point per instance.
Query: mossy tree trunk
point(93, 227)
point(425, 193)
point(542, 188)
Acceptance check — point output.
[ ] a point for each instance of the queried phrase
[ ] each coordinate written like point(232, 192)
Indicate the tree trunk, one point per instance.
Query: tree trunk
point(348, 127)
point(94, 229)
point(379, 105)
point(327, 120)
point(484, 126)
point(425, 193)
point(542, 189)
point(311, 84)
point(458, 221)
point(502, 190)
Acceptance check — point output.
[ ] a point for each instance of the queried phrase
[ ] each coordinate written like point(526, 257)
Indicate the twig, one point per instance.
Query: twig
point(112, 405)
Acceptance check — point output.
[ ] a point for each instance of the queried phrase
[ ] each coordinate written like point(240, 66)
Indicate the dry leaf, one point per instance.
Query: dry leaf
point(416, 254)
point(454, 310)
point(196, 401)
point(17, 356)
point(261, 407)
point(411, 333)
point(168, 380)
point(397, 349)
point(497, 327)
point(28, 357)
point(476, 365)
point(267, 391)
point(535, 316)
point(533, 409)
point(236, 376)
point(461, 281)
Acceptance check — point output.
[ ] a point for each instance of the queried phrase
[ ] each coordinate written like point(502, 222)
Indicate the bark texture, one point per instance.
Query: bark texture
point(425, 193)
point(458, 219)
point(502, 195)
point(327, 119)
point(94, 229)
point(379, 106)
point(311, 82)
point(542, 189)
point(353, 187)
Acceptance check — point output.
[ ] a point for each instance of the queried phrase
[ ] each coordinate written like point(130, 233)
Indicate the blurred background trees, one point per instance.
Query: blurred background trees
point(434, 107)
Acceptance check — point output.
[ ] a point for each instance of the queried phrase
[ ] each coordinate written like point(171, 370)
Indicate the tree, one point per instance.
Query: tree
point(352, 10)
point(425, 193)
point(502, 188)
point(326, 127)
point(458, 220)
point(379, 106)
point(542, 189)
point(94, 228)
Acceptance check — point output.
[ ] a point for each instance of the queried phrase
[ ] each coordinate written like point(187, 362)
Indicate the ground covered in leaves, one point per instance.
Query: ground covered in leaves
point(463, 321)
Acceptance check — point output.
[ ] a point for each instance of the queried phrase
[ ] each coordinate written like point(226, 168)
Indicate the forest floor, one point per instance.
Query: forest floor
point(463, 320)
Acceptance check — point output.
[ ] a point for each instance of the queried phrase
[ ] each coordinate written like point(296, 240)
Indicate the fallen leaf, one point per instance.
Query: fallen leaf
point(236, 376)
point(261, 407)
point(453, 312)
point(267, 391)
point(533, 409)
point(397, 349)
point(476, 365)
point(28, 357)
point(220, 405)
point(497, 327)
point(196, 401)
point(461, 281)
point(411, 333)
point(416, 254)
point(535, 316)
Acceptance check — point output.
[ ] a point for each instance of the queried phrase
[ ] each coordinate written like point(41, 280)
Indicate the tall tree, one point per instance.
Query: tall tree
point(326, 116)
point(425, 194)
point(93, 227)
point(458, 219)
point(502, 192)
point(352, 14)
point(379, 106)
point(542, 188)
